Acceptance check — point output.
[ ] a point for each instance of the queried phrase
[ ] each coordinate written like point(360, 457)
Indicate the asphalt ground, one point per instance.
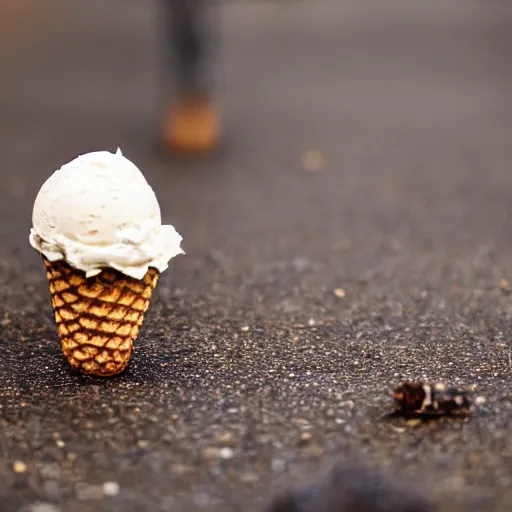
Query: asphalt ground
point(368, 150)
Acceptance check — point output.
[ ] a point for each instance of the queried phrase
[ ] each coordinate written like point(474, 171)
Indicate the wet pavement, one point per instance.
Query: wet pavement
point(355, 232)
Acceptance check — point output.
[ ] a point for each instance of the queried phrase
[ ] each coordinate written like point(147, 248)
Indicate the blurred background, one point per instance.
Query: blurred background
point(392, 99)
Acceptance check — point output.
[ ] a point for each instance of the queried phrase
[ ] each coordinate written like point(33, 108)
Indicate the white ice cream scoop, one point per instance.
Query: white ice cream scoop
point(98, 211)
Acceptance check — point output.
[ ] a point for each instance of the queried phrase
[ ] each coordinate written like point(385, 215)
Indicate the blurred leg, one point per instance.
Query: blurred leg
point(192, 123)
point(191, 39)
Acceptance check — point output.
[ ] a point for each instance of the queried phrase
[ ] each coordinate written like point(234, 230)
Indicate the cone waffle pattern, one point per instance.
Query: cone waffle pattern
point(99, 317)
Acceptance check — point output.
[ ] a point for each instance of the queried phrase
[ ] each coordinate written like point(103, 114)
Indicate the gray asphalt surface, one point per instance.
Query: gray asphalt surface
point(250, 373)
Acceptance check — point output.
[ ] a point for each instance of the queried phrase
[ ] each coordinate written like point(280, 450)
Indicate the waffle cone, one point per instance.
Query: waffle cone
point(99, 317)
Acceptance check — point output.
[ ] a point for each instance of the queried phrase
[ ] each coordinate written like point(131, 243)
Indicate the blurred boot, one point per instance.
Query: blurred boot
point(191, 121)
point(192, 125)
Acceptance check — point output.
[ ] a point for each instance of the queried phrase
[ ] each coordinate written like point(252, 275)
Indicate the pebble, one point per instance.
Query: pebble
point(505, 285)
point(339, 292)
point(226, 453)
point(225, 438)
point(480, 400)
point(19, 467)
point(305, 437)
point(110, 489)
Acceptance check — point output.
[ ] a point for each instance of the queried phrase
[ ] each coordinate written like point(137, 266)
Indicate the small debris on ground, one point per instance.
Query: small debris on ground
point(225, 438)
point(480, 400)
point(110, 489)
point(505, 286)
point(339, 292)
point(305, 438)
point(426, 400)
point(213, 453)
point(226, 453)
point(19, 467)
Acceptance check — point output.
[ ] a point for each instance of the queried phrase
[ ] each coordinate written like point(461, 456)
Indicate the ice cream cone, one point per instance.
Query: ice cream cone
point(97, 224)
point(98, 317)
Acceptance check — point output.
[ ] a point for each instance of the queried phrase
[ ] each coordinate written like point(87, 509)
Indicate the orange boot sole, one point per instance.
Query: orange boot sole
point(192, 126)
